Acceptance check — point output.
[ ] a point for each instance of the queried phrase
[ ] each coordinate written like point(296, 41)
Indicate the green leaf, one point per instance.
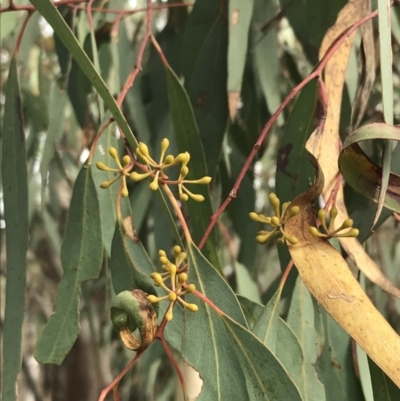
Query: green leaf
point(335, 366)
point(81, 257)
point(294, 173)
point(209, 350)
point(384, 389)
point(187, 137)
point(385, 46)
point(239, 209)
point(251, 310)
point(58, 102)
point(245, 285)
point(15, 197)
point(205, 72)
point(130, 263)
point(301, 320)
point(54, 18)
point(266, 326)
point(266, 378)
point(107, 196)
point(361, 173)
point(240, 14)
point(265, 54)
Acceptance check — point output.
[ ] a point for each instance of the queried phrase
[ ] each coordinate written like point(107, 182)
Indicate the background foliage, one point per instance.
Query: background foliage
point(225, 67)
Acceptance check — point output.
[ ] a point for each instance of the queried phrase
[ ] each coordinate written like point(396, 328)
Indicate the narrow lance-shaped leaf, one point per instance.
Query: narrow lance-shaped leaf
point(81, 257)
point(205, 72)
point(335, 366)
point(130, 264)
point(15, 196)
point(188, 139)
point(240, 13)
point(275, 334)
point(386, 60)
point(301, 320)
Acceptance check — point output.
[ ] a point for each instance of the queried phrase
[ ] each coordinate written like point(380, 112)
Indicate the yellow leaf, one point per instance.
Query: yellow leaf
point(327, 276)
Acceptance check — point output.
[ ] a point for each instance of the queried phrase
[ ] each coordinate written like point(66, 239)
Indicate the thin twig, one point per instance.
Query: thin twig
point(116, 381)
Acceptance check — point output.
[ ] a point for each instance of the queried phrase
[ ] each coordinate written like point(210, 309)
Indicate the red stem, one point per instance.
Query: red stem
point(116, 381)
point(21, 34)
point(13, 7)
point(138, 66)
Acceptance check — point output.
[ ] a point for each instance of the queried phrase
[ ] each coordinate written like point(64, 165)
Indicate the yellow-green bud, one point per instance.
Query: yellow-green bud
point(177, 250)
point(291, 239)
point(322, 215)
point(157, 278)
point(172, 296)
point(192, 307)
point(164, 144)
point(169, 159)
point(183, 197)
point(169, 315)
point(197, 197)
point(191, 288)
point(101, 166)
point(182, 158)
point(126, 160)
point(275, 202)
point(152, 298)
point(153, 185)
point(161, 252)
point(164, 260)
point(184, 171)
point(205, 180)
point(113, 152)
point(294, 210)
point(333, 213)
point(138, 176)
point(125, 192)
point(144, 150)
point(263, 238)
point(172, 269)
point(275, 221)
point(353, 232)
point(315, 232)
point(183, 277)
point(105, 184)
point(347, 223)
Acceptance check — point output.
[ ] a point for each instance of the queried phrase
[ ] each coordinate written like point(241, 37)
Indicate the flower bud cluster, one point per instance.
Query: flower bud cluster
point(177, 273)
point(329, 230)
point(157, 171)
point(122, 170)
point(154, 169)
point(276, 222)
